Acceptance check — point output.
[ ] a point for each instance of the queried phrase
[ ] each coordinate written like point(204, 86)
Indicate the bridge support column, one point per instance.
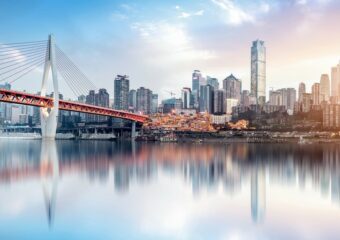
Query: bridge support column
point(49, 116)
point(133, 130)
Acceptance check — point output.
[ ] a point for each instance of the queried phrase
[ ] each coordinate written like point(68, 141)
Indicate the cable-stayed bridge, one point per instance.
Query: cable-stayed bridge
point(19, 59)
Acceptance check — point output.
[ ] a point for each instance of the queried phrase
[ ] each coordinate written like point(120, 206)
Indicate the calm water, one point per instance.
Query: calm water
point(107, 190)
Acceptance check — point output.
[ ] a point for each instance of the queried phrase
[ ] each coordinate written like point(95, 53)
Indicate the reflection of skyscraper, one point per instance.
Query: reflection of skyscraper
point(258, 193)
point(258, 71)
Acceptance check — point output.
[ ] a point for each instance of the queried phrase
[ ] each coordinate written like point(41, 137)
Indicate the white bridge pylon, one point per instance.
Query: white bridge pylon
point(49, 116)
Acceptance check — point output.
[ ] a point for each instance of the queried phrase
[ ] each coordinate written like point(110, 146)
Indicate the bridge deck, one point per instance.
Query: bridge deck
point(23, 98)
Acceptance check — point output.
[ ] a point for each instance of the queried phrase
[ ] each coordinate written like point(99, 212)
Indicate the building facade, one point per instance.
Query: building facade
point(232, 87)
point(324, 88)
point(144, 100)
point(121, 92)
point(206, 99)
point(258, 71)
point(219, 102)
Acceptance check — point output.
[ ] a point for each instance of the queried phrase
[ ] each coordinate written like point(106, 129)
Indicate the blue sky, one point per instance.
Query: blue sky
point(159, 43)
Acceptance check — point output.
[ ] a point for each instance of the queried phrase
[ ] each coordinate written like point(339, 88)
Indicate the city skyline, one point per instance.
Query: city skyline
point(179, 37)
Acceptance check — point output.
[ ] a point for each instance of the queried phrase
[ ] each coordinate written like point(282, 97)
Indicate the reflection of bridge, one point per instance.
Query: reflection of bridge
point(19, 59)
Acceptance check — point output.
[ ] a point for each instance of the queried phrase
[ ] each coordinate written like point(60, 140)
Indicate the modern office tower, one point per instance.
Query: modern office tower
point(132, 100)
point(186, 98)
point(335, 80)
point(230, 103)
point(197, 81)
point(307, 102)
point(101, 99)
point(324, 88)
point(291, 99)
point(171, 105)
point(258, 71)
point(154, 103)
point(206, 99)
point(144, 100)
point(246, 99)
point(302, 90)
point(213, 82)
point(283, 97)
point(275, 98)
point(233, 87)
point(82, 99)
point(121, 92)
point(316, 93)
point(219, 101)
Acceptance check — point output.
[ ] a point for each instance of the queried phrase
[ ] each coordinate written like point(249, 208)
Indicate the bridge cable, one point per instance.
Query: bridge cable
point(73, 80)
point(80, 79)
point(87, 80)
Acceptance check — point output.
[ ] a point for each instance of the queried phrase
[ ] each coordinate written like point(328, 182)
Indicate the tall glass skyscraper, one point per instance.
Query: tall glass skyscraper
point(121, 92)
point(258, 71)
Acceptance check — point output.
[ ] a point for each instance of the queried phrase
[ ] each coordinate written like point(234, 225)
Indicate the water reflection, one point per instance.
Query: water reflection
point(204, 167)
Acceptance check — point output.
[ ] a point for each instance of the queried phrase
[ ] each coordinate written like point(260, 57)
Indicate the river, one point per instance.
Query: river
point(123, 190)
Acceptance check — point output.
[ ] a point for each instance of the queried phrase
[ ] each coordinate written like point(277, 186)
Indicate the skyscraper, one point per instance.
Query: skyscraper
point(121, 92)
point(101, 99)
point(219, 101)
point(324, 88)
point(154, 103)
point(132, 100)
point(302, 90)
point(144, 100)
point(258, 71)
point(197, 82)
point(233, 87)
point(186, 98)
point(213, 82)
point(206, 98)
point(334, 81)
point(316, 93)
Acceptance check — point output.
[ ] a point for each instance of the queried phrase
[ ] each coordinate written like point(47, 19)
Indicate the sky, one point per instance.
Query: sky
point(159, 43)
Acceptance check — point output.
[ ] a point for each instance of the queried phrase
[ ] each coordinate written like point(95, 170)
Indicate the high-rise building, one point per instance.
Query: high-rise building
point(283, 97)
point(121, 92)
point(5, 108)
point(275, 98)
point(197, 81)
point(316, 93)
point(154, 103)
point(324, 88)
point(258, 71)
point(219, 101)
point(230, 103)
point(233, 87)
point(335, 80)
point(307, 102)
point(144, 100)
point(102, 99)
point(186, 98)
point(213, 82)
point(206, 99)
point(302, 90)
point(132, 100)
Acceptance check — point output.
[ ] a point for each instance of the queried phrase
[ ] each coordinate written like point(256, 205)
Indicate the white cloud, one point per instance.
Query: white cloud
point(171, 40)
point(235, 15)
point(187, 15)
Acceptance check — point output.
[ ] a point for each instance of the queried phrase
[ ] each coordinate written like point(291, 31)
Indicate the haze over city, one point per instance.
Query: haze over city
point(159, 44)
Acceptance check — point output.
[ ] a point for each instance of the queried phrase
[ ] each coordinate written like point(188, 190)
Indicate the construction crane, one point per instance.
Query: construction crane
point(171, 93)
